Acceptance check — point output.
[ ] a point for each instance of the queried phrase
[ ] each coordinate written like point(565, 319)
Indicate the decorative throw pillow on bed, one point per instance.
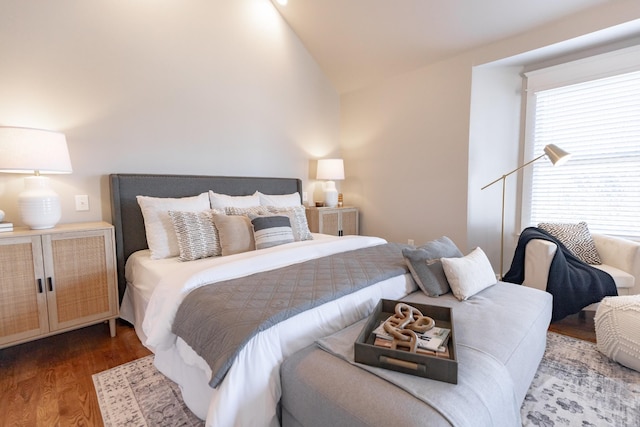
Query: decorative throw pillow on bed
point(576, 238)
point(280, 200)
point(197, 235)
point(221, 201)
point(296, 215)
point(235, 232)
point(470, 274)
point(425, 265)
point(298, 219)
point(161, 236)
point(254, 210)
point(269, 231)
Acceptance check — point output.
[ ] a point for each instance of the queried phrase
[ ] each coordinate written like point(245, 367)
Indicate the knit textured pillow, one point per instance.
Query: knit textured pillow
point(253, 210)
point(576, 238)
point(196, 234)
point(298, 219)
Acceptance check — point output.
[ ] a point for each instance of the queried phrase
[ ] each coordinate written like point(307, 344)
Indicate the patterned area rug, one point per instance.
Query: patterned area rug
point(137, 394)
point(575, 386)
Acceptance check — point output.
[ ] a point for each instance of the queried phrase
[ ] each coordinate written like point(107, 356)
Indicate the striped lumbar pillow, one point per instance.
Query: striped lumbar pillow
point(271, 231)
point(298, 219)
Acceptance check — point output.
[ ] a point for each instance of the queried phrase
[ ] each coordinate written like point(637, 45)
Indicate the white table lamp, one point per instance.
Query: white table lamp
point(330, 170)
point(24, 150)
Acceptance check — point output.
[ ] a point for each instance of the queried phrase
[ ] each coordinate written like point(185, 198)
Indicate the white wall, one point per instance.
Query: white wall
point(494, 146)
point(218, 87)
point(418, 147)
point(405, 148)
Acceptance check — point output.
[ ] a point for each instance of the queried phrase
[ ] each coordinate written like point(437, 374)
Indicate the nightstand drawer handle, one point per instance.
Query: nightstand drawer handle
point(50, 282)
point(39, 286)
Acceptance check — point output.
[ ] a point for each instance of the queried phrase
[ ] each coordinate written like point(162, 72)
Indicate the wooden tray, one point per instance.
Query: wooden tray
point(423, 365)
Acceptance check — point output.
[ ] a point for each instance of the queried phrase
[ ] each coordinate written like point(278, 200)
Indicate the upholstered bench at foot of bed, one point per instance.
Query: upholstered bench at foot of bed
point(320, 389)
point(507, 321)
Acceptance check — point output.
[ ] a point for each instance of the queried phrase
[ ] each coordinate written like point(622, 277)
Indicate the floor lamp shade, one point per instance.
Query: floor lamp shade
point(330, 170)
point(556, 155)
point(35, 151)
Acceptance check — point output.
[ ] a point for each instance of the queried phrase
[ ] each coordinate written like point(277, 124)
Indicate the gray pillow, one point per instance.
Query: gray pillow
point(425, 265)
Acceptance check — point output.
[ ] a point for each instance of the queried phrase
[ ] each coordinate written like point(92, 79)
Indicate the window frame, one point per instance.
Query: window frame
point(536, 79)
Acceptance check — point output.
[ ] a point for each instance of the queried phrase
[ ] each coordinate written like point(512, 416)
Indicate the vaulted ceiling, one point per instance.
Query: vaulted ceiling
point(357, 42)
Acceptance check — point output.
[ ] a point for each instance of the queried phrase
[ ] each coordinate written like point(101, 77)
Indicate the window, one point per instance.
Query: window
point(597, 120)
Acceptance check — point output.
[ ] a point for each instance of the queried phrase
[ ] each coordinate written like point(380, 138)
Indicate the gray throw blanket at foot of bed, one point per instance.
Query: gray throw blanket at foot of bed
point(573, 283)
point(484, 395)
point(217, 320)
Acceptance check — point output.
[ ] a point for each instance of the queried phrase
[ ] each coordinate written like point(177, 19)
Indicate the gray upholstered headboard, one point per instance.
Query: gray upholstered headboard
point(127, 216)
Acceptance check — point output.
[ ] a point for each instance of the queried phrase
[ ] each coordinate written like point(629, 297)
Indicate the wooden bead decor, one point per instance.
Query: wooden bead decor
point(404, 324)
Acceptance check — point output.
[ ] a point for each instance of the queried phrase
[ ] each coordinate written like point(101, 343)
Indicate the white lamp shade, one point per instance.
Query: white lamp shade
point(331, 169)
point(24, 150)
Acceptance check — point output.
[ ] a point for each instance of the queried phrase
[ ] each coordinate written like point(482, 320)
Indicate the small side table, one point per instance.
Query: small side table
point(340, 221)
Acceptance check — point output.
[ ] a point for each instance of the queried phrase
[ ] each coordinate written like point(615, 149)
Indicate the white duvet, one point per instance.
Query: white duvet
point(249, 394)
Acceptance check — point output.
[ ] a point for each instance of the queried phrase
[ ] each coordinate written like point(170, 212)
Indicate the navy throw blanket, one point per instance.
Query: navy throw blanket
point(573, 283)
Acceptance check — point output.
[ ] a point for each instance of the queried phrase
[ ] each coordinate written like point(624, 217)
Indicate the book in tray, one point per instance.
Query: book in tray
point(6, 226)
point(435, 339)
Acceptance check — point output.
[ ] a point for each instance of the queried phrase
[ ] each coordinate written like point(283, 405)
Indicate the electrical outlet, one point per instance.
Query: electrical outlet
point(82, 202)
point(305, 197)
point(410, 242)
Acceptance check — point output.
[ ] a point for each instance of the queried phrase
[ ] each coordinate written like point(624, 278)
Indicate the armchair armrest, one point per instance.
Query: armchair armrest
point(620, 253)
point(537, 261)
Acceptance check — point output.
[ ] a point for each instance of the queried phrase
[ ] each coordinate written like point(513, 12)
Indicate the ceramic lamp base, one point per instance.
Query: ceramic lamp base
point(330, 194)
point(39, 205)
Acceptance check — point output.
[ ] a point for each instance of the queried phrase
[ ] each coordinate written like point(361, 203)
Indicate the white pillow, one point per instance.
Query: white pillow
point(279, 200)
point(221, 201)
point(469, 275)
point(161, 236)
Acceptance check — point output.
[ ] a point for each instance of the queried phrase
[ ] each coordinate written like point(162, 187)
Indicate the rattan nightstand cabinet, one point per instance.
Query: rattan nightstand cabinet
point(335, 221)
point(56, 280)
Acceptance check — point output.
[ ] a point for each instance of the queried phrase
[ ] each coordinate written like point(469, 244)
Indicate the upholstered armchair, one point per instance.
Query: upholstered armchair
point(620, 258)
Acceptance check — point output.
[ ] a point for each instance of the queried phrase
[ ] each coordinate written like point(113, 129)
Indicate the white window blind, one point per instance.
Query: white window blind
point(598, 122)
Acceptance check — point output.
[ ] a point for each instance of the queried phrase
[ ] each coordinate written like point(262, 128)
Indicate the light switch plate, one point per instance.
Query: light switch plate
point(82, 202)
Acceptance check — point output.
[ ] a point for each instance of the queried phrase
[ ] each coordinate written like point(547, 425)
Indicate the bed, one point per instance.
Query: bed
point(152, 291)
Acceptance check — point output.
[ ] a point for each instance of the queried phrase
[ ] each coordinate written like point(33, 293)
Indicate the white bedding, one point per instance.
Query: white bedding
point(249, 394)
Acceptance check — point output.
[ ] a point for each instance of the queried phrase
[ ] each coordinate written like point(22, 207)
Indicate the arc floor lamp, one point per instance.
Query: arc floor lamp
point(556, 156)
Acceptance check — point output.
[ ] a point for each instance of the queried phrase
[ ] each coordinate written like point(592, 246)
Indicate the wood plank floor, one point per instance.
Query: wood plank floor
point(577, 326)
point(48, 382)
